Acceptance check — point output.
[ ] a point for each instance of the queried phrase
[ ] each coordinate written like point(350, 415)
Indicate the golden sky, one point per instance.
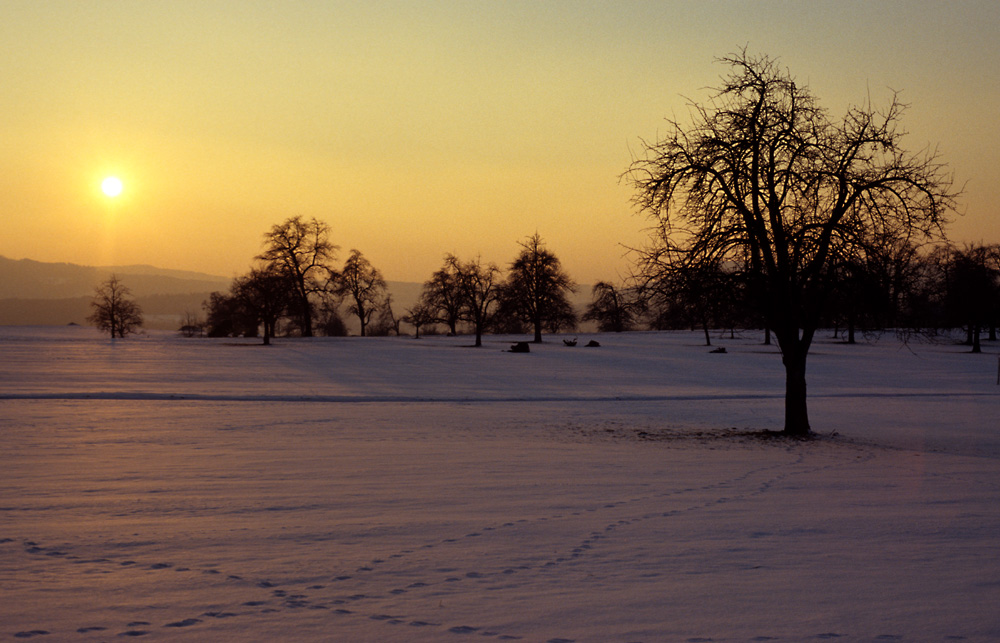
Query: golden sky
point(420, 128)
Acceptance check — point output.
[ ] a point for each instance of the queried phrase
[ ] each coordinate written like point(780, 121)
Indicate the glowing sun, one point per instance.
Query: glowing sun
point(111, 186)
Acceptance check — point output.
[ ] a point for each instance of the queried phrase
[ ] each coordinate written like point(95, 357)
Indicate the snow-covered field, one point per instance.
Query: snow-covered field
point(394, 489)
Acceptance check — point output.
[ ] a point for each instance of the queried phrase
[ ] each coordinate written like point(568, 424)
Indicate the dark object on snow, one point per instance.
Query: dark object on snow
point(570, 342)
point(520, 347)
point(592, 344)
point(721, 349)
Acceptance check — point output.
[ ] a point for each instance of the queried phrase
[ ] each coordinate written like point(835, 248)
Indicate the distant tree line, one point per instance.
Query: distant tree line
point(896, 287)
point(296, 288)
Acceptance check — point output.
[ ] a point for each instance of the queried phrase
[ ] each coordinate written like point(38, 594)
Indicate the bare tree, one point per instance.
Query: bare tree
point(191, 325)
point(265, 294)
point(331, 323)
point(226, 316)
point(536, 288)
point(418, 316)
point(479, 286)
point(385, 320)
point(697, 295)
point(302, 251)
point(442, 295)
point(765, 178)
point(362, 285)
point(613, 308)
point(971, 290)
point(114, 312)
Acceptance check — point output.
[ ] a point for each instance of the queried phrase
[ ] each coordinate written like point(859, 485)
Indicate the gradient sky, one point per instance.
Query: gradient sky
point(420, 128)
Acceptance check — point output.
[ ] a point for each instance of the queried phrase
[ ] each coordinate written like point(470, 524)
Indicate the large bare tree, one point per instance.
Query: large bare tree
point(302, 251)
point(114, 311)
point(762, 177)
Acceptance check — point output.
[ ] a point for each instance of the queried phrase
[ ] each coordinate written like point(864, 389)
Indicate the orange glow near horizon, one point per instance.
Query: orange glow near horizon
point(424, 129)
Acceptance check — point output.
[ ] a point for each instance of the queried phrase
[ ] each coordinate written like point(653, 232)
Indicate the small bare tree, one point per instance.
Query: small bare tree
point(386, 320)
point(191, 325)
point(363, 287)
point(418, 316)
point(614, 308)
point(442, 295)
point(264, 293)
point(114, 312)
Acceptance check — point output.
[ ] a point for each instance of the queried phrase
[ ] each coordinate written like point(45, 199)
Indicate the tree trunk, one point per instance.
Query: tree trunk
point(796, 412)
point(767, 335)
point(976, 345)
point(538, 331)
point(307, 326)
point(708, 338)
point(479, 335)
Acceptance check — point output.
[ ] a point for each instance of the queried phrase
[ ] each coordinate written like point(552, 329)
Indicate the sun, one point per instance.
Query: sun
point(111, 186)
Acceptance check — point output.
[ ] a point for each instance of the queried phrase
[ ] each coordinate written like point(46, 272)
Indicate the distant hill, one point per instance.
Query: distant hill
point(28, 279)
point(35, 293)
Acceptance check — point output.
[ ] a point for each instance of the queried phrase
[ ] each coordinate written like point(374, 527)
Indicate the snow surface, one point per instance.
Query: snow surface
point(392, 489)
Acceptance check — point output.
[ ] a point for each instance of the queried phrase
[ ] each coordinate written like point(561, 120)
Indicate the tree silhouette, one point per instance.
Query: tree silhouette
point(972, 290)
point(613, 308)
point(114, 312)
point(701, 295)
point(418, 316)
point(302, 251)
point(442, 294)
point(264, 294)
point(479, 286)
point(362, 285)
point(386, 320)
point(763, 177)
point(226, 316)
point(536, 288)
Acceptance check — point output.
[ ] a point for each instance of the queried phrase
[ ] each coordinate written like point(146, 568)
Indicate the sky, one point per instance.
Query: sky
point(416, 129)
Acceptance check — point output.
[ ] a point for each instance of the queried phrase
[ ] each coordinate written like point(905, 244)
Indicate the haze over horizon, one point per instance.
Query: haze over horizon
point(416, 129)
